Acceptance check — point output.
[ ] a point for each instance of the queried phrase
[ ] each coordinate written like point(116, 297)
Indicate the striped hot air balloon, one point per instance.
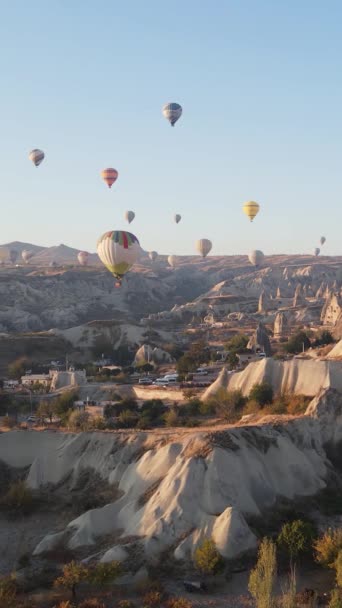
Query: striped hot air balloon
point(203, 247)
point(82, 257)
point(172, 112)
point(118, 250)
point(37, 156)
point(256, 257)
point(251, 209)
point(109, 176)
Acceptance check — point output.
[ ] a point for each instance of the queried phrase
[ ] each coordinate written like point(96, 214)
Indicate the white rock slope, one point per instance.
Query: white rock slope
point(177, 488)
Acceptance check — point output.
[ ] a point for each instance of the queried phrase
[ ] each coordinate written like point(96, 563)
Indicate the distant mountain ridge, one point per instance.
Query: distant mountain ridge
point(43, 256)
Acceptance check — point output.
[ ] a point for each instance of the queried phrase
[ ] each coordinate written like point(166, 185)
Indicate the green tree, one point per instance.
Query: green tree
point(227, 403)
point(263, 576)
point(295, 343)
point(17, 368)
point(172, 418)
point(335, 599)
point(262, 393)
point(324, 338)
point(79, 420)
point(73, 574)
point(65, 402)
point(101, 574)
point(328, 546)
point(185, 365)
point(127, 419)
point(338, 567)
point(296, 537)
point(237, 343)
point(46, 409)
point(207, 558)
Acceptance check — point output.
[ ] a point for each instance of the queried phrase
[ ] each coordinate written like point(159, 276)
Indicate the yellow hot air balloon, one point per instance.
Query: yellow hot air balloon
point(251, 209)
point(118, 250)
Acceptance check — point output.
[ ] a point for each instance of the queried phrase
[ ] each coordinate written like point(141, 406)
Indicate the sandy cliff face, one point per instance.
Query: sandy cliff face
point(300, 376)
point(176, 488)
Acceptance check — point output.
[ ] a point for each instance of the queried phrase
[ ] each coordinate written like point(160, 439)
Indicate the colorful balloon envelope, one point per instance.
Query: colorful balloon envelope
point(251, 209)
point(177, 218)
point(109, 176)
point(172, 112)
point(27, 255)
point(153, 255)
point(118, 250)
point(129, 216)
point(172, 260)
point(37, 156)
point(82, 257)
point(203, 247)
point(256, 257)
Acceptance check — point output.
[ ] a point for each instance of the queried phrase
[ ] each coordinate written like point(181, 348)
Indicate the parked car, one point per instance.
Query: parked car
point(145, 381)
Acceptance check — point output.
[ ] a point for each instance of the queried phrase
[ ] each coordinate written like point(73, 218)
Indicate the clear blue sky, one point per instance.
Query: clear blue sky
point(260, 82)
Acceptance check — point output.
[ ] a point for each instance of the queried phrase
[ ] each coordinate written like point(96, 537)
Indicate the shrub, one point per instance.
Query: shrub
point(8, 591)
point(125, 604)
point(335, 599)
point(9, 422)
point(73, 574)
point(297, 404)
point(262, 578)
point(91, 602)
point(18, 498)
point(79, 420)
point(153, 408)
point(295, 343)
point(328, 546)
point(153, 599)
point(127, 420)
point(338, 567)
point(178, 602)
point(172, 419)
point(192, 407)
point(237, 343)
point(104, 573)
point(99, 423)
point(262, 393)
point(207, 558)
point(296, 537)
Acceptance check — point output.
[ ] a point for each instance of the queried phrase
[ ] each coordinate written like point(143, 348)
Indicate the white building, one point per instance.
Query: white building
point(31, 379)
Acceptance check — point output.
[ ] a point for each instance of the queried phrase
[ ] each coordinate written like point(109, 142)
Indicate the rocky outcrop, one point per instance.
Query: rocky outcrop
point(149, 354)
point(300, 376)
point(281, 326)
point(332, 309)
point(299, 299)
point(260, 341)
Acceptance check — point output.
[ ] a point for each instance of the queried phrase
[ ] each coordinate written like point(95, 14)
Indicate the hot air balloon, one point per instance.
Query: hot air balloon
point(129, 216)
point(177, 218)
point(322, 240)
point(251, 209)
point(153, 255)
point(27, 255)
point(13, 255)
point(109, 176)
point(317, 251)
point(82, 257)
point(256, 257)
point(37, 156)
point(172, 260)
point(118, 250)
point(203, 247)
point(172, 112)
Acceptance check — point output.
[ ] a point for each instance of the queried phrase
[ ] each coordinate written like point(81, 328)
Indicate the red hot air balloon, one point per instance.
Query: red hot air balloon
point(109, 176)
